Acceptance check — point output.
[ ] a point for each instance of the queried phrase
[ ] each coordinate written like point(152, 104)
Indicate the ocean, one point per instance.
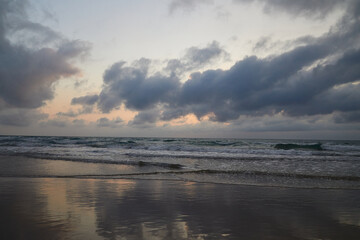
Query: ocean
point(279, 163)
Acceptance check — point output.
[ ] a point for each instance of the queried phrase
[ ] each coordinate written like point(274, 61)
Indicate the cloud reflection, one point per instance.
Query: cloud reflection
point(141, 209)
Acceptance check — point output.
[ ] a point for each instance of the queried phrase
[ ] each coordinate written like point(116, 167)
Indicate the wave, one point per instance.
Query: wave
point(200, 172)
point(289, 146)
point(325, 157)
point(139, 163)
point(215, 143)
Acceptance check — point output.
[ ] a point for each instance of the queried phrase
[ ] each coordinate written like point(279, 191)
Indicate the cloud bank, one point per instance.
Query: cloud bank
point(318, 77)
point(32, 58)
point(313, 82)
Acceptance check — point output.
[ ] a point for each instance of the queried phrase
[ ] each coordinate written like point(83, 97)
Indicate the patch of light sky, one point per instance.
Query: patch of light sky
point(129, 30)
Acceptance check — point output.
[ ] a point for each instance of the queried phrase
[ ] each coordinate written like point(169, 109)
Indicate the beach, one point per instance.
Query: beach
point(180, 119)
point(35, 203)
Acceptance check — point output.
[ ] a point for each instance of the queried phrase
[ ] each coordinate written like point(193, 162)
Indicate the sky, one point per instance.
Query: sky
point(180, 68)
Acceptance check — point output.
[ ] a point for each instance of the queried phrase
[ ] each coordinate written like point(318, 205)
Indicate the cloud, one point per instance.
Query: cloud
point(318, 76)
point(145, 118)
point(187, 5)
point(84, 110)
point(278, 123)
point(27, 77)
point(262, 43)
point(261, 86)
point(133, 87)
point(20, 117)
point(69, 113)
point(78, 122)
point(34, 34)
point(105, 122)
point(196, 58)
point(139, 90)
point(226, 93)
point(61, 123)
point(347, 117)
point(308, 8)
point(85, 100)
point(27, 71)
point(80, 83)
point(54, 123)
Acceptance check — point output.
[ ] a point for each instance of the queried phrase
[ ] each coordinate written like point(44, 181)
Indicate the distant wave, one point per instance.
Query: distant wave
point(288, 146)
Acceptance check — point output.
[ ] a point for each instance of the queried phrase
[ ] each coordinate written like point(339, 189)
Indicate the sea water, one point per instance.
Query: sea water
point(284, 163)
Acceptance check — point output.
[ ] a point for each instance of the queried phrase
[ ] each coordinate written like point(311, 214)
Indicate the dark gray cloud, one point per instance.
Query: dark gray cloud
point(20, 117)
point(145, 118)
point(318, 76)
point(58, 123)
point(69, 113)
point(85, 100)
point(267, 86)
point(227, 93)
point(27, 77)
point(105, 122)
point(78, 123)
point(139, 90)
point(34, 33)
point(326, 96)
point(187, 5)
point(28, 72)
point(133, 87)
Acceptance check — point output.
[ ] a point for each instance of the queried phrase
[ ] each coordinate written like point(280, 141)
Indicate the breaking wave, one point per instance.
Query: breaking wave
point(289, 146)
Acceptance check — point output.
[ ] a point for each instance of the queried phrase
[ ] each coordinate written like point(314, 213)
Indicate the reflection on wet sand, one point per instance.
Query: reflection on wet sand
point(50, 208)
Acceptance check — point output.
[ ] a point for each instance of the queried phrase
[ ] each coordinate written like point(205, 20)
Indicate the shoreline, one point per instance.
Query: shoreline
point(181, 181)
point(28, 167)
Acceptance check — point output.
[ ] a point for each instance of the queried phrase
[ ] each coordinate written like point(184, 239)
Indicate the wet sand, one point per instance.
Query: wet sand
point(47, 199)
point(67, 208)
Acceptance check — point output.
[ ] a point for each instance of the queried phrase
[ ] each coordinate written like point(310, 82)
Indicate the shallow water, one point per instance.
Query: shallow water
point(54, 208)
